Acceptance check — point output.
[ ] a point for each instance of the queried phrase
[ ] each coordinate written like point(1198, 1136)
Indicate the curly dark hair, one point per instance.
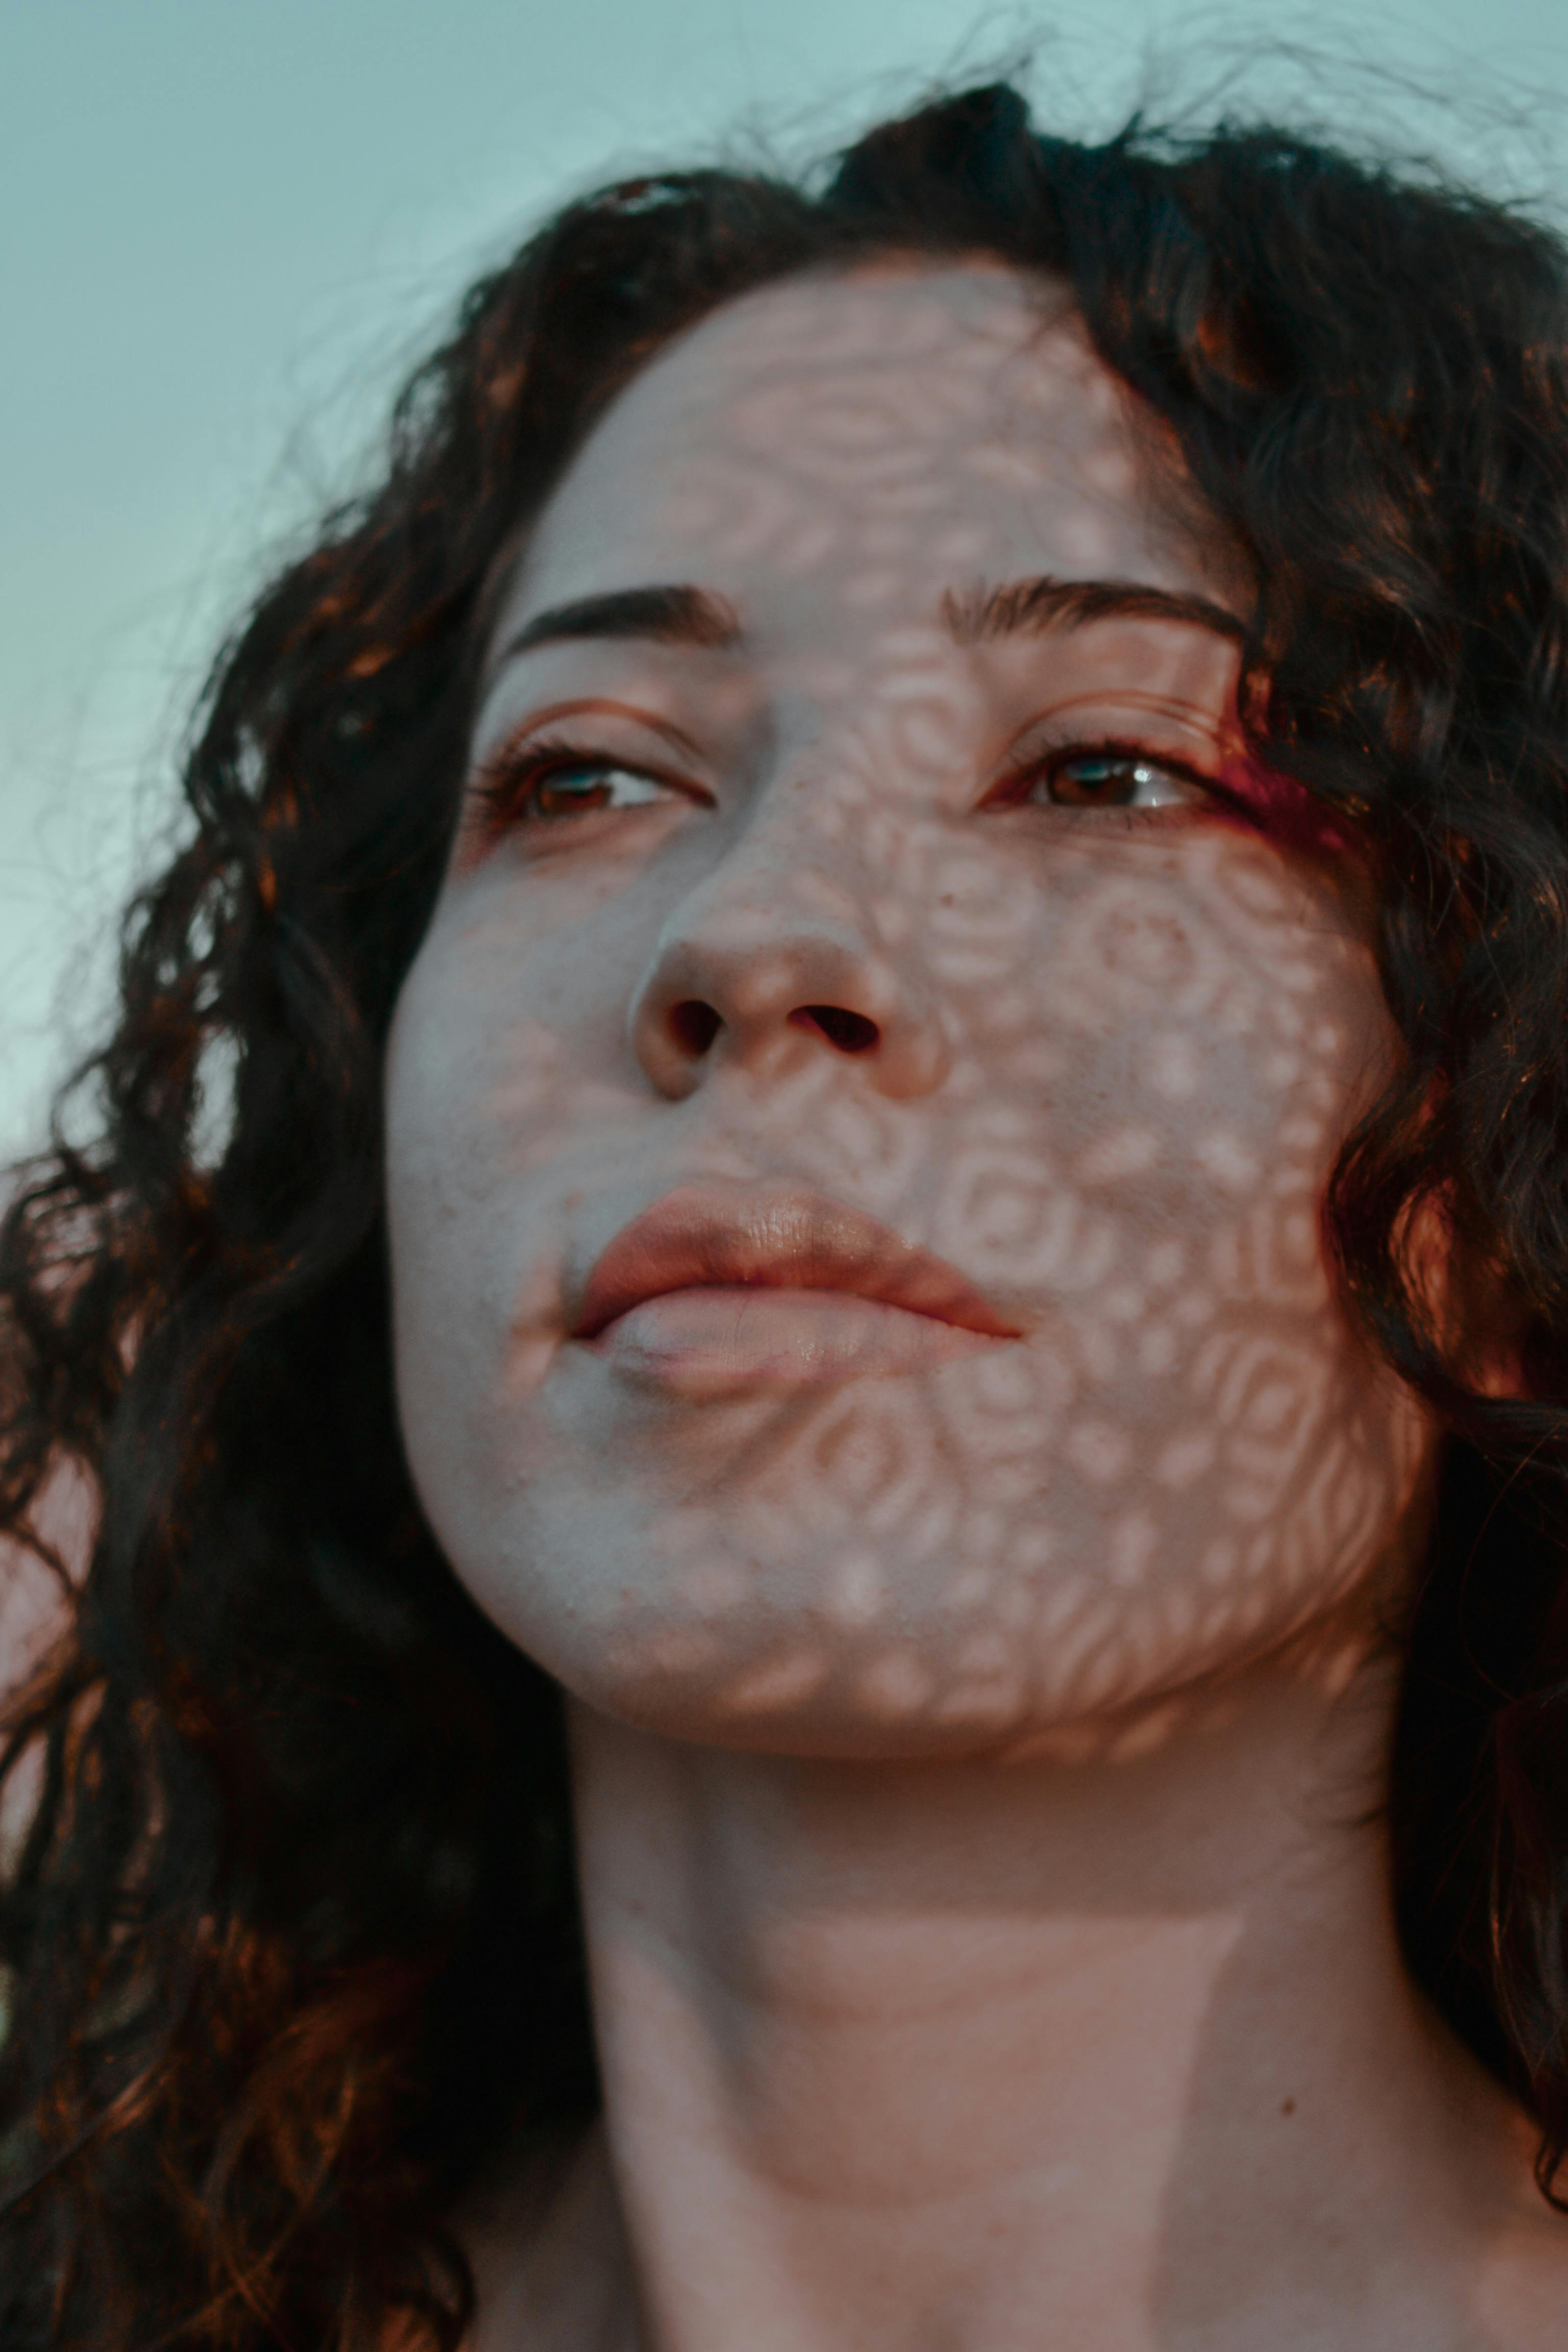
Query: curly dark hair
point(291, 1940)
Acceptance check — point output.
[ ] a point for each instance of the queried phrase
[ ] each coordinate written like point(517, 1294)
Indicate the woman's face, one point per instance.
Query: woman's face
point(858, 1119)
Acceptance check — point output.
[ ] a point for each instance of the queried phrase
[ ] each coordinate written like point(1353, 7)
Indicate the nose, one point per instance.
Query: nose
point(763, 971)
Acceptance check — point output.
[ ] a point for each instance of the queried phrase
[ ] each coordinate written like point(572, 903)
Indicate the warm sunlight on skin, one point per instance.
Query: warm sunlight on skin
point(857, 1125)
point(1114, 1051)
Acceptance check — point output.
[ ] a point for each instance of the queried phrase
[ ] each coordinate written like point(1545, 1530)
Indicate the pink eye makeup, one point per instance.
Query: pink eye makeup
point(551, 782)
point(1285, 812)
point(1106, 775)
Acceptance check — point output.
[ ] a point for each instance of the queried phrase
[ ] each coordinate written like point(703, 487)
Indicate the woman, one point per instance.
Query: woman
point(828, 1596)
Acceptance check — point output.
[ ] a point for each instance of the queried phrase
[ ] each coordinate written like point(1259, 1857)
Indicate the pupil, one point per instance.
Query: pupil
point(1100, 779)
point(570, 789)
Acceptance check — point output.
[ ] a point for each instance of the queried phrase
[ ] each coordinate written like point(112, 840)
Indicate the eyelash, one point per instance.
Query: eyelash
point(1040, 766)
point(506, 782)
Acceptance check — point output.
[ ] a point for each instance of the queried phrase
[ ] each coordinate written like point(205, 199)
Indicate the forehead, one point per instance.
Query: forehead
point(898, 425)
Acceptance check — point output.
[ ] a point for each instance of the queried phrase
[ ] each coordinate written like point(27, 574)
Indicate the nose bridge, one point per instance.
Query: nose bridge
point(773, 956)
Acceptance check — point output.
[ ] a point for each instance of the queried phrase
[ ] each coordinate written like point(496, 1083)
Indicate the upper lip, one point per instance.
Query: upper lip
point(782, 1237)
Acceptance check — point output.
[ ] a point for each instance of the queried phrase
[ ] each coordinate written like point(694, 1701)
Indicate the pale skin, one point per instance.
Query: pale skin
point(976, 1709)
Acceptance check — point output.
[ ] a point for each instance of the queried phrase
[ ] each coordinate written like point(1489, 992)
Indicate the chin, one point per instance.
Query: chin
point(869, 1656)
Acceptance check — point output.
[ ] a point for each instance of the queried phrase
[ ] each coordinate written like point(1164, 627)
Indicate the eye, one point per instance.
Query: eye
point(544, 784)
point(1107, 777)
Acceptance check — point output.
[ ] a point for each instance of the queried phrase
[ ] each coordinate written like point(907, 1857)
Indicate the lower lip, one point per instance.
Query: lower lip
point(706, 1342)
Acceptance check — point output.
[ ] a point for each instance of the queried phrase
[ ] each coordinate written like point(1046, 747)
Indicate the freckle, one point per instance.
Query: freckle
point(1097, 1451)
point(1287, 2106)
point(778, 1682)
point(896, 1684)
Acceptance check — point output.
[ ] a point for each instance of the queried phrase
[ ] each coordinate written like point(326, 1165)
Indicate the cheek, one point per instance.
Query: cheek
point(476, 1080)
point(1155, 1057)
point(1173, 1037)
point(1161, 1124)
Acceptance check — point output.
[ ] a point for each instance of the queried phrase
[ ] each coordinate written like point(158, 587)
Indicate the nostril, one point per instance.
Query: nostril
point(694, 1025)
point(850, 1032)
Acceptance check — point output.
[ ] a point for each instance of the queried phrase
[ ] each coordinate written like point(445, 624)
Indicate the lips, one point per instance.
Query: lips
point(780, 1239)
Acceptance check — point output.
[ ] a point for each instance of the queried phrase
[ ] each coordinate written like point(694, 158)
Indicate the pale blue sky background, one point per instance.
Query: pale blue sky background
point(224, 222)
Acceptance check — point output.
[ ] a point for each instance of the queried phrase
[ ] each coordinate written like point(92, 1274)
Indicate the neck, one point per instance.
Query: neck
point(1119, 2053)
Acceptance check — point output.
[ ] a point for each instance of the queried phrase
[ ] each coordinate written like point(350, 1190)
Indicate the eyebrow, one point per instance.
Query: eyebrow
point(681, 615)
point(980, 616)
point(674, 617)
